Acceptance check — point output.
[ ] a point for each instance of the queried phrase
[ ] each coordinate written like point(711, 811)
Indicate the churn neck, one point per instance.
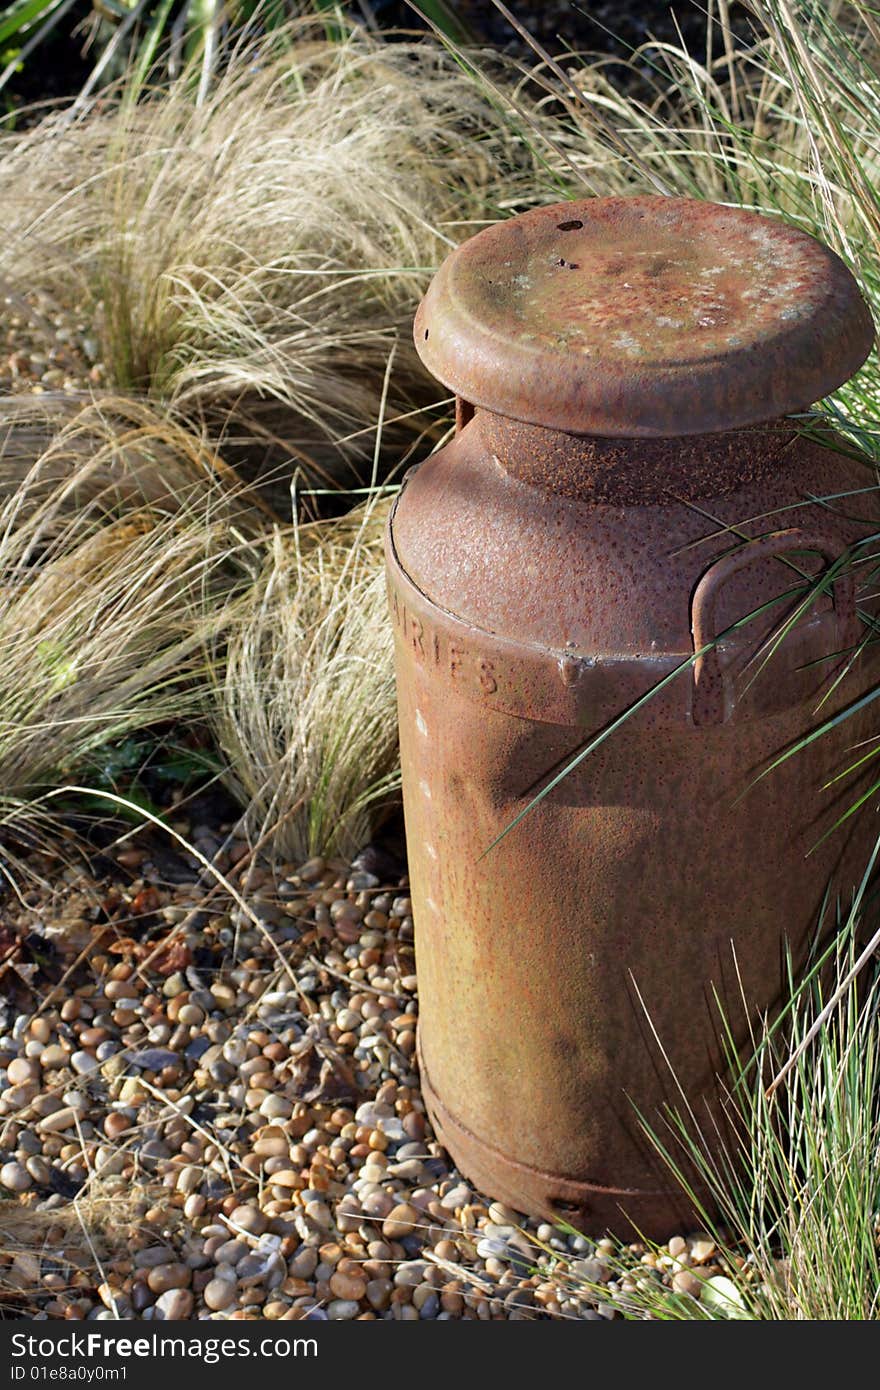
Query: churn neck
point(620, 471)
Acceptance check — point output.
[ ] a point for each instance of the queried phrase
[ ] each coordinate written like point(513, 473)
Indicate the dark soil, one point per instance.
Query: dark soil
point(611, 27)
point(59, 67)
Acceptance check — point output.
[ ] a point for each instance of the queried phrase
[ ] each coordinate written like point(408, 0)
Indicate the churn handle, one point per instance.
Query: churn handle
point(708, 703)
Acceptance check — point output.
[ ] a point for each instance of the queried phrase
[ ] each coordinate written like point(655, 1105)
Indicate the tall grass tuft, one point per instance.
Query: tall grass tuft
point(119, 555)
point(306, 712)
point(252, 253)
point(792, 1194)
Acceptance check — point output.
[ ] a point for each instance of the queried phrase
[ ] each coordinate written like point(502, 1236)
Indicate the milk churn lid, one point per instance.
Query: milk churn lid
point(643, 316)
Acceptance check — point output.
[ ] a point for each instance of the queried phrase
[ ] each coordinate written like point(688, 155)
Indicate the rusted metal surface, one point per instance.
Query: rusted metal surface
point(537, 591)
point(713, 701)
point(616, 316)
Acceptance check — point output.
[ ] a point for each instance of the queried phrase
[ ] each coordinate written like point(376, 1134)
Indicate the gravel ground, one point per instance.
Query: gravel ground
point(240, 1072)
point(44, 347)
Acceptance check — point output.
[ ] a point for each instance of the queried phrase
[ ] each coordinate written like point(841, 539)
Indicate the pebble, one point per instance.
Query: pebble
point(154, 1058)
point(456, 1198)
point(39, 1169)
point(348, 1286)
point(591, 1271)
point(189, 1179)
point(287, 1177)
point(272, 1143)
point(175, 1305)
point(21, 1070)
point(500, 1215)
point(400, 1221)
point(410, 1170)
point(304, 1263)
point(163, 1277)
point(15, 1177)
point(410, 1273)
point(722, 1296)
point(83, 1063)
point(378, 1204)
point(230, 1252)
point(685, 1282)
point(219, 1294)
point(116, 1124)
point(702, 1249)
point(320, 1214)
point(53, 1057)
point(342, 1309)
point(249, 1219)
point(58, 1120)
point(378, 1293)
point(191, 1015)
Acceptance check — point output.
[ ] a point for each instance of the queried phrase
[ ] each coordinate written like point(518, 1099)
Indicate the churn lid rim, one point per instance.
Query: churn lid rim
point(552, 318)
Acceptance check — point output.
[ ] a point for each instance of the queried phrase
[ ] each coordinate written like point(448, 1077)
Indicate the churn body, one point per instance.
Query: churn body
point(548, 576)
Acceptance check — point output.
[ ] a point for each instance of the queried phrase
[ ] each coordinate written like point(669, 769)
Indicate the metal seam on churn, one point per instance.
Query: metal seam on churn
point(624, 368)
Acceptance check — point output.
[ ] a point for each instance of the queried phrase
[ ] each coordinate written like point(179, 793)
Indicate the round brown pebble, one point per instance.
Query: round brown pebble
point(116, 1124)
point(348, 1286)
point(164, 1277)
point(400, 1221)
point(685, 1282)
point(218, 1294)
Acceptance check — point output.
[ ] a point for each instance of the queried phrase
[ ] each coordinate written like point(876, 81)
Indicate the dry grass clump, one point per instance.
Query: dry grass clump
point(253, 256)
point(65, 1251)
point(118, 553)
point(307, 716)
point(791, 1198)
point(111, 451)
point(140, 583)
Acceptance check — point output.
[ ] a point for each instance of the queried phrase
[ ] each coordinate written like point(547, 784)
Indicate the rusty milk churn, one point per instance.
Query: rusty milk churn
point(623, 487)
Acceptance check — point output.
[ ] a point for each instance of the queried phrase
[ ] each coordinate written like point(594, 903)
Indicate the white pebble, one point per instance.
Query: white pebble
point(15, 1177)
point(83, 1062)
point(342, 1309)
